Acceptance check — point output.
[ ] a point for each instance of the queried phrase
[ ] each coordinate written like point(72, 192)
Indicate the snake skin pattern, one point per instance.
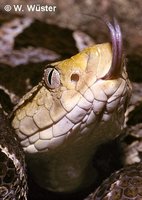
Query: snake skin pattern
point(12, 166)
point(125, 184)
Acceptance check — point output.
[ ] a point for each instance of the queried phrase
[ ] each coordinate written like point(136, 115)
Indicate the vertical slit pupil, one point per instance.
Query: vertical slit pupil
point(50, 76)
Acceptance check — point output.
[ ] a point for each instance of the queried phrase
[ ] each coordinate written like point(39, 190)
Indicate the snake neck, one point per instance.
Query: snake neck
point(70, 167)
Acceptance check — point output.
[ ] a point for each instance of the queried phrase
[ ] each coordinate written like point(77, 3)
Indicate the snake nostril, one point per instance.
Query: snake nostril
point(74, 77)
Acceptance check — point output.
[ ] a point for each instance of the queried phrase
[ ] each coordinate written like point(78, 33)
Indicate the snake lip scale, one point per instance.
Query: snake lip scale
point(78, 105)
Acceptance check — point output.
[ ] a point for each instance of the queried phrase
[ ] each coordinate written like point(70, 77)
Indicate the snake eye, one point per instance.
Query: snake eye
point(52, 78)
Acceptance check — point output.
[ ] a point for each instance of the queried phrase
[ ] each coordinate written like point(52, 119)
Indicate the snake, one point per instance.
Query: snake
point(78, 105)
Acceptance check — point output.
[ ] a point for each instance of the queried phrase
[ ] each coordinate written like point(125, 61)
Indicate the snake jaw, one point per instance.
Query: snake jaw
point(117, 51)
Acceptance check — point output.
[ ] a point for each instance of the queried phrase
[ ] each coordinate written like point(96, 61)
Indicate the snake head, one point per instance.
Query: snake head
point(91, 85)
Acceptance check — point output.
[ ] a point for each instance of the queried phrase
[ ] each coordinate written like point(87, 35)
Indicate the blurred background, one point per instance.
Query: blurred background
point(71, 14)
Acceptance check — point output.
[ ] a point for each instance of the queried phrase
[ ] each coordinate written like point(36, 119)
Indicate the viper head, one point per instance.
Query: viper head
point(75, 96)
